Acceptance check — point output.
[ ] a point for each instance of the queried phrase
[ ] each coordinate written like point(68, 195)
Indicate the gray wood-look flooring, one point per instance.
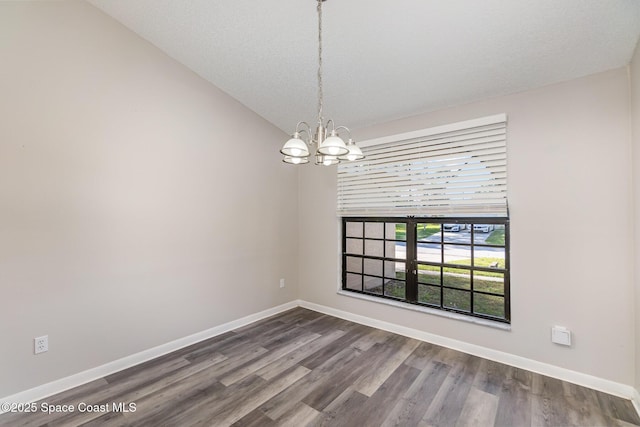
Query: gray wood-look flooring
point(303, 368)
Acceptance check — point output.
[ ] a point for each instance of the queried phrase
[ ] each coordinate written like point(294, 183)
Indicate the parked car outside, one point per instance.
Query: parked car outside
point(484, 228)
point(454, 227)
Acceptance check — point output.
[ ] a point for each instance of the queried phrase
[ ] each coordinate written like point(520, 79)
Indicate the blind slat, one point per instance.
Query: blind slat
point(440, 148)
point(488, 164)
point(436, 164)
point(459, 171)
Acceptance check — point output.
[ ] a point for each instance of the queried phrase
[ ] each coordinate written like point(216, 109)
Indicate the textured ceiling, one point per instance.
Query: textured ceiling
point(383, 59)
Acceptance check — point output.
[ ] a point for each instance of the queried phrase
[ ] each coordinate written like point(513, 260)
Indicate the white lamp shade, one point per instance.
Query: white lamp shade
point(326, 160)
point(295, 147)
point(354, 153)
point(295, 160)
point(333, 146)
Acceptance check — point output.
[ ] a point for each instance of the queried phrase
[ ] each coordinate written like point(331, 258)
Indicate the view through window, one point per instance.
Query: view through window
point(459, 265)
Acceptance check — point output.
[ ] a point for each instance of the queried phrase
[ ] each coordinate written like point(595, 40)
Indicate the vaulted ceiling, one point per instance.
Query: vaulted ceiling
point(383, 59)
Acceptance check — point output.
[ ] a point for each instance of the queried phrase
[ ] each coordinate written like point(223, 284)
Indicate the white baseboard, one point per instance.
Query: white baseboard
point(606, 386)
point(63, 384)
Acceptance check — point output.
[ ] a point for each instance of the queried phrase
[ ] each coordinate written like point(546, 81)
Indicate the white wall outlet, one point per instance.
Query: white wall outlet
point(41, 344)
point(282, 283)
point(561, 335)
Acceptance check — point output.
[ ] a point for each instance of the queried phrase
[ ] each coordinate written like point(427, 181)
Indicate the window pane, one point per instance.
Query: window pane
point(390, 249)
point(395, 288)
point(354, 281)
point(429, 252)
point(373, 267)
point(457, 233)
point(354, 229)
point(481, 233)
point(395, 231)
point(454, 254)
point(488, 282)
point(429, 274)
point(429, 294)
point(394, 270)
point(374, 248)
point(354, 246)
point(374, 230)
point(428, 232)
point(396, 250)
point(354, 264)
point(456, 278)
point(376, 262)
point(373, 284)
point(460, 300)
point(488, 257)
point(488, 304)
point(496, 236)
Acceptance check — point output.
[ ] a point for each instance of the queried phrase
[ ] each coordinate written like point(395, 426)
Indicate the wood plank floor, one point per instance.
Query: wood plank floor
point(304, 368)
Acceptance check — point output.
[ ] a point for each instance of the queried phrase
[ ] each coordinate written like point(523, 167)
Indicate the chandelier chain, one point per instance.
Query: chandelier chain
point(320, 91)
point(330, 149)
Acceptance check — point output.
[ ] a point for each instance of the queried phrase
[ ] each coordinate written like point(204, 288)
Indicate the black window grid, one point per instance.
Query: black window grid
point(412, 265)
point(384, 259)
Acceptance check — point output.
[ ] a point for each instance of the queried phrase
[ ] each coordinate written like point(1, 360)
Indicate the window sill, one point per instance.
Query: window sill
point(427, 310)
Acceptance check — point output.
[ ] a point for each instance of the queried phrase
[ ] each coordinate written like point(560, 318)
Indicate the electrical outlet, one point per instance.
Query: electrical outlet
point(561, 335)
point(282, 283)
point(41, 344)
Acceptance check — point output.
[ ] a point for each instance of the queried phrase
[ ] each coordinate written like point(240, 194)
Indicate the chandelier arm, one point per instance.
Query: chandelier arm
point(308, 129)
point(333, 125)
point(345, 128)
point(308, 135)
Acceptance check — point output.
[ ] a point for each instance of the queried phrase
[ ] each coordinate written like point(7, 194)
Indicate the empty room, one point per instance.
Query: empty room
point(320, 212)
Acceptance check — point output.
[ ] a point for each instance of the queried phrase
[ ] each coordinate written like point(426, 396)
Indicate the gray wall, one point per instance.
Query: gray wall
point(124, 225)
point(124, 221)
point(634, 69)
point(570, 199)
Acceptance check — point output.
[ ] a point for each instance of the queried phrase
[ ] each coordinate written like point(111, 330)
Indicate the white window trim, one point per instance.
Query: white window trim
point(427, 310)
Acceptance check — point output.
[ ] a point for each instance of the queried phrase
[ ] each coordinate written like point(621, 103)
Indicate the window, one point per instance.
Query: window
point(453, 264)
point(425, 218)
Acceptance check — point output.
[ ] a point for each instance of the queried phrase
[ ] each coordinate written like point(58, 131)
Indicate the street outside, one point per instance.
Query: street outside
point(430, 252)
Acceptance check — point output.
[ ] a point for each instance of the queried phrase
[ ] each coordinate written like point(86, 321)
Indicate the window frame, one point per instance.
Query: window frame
point(411, 262)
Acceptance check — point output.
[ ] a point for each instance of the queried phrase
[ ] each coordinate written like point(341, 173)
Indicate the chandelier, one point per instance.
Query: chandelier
point(330, 148)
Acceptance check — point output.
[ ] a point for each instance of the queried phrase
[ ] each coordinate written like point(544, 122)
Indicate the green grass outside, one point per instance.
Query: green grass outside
point(459, 298)
point(496, 238)
point(457, 279)
point(424, 231)
point(401, 232)
point(479, 262)
point(427, 230)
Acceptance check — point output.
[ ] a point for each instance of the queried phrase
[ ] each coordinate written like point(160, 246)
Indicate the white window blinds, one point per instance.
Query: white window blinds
point(452, 170)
